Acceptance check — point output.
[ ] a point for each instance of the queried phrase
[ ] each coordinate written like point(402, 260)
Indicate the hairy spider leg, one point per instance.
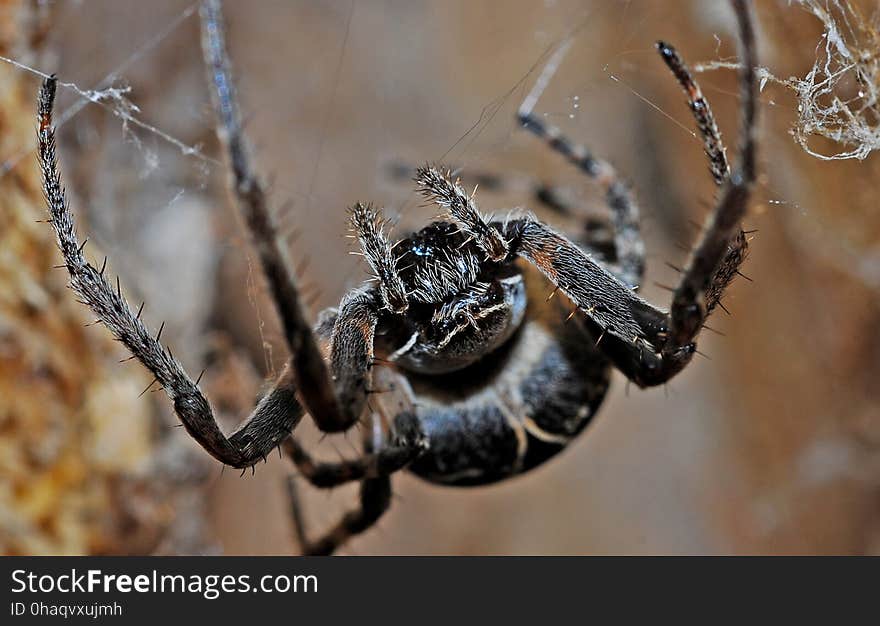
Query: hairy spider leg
point(718, 253)
point(334, 406)
point(628, 243)
point(327, 475)
point(329, 398)
point(272, 419)
point(702, 112)
point(652, 346)
point(373, 470)
point(718, 166)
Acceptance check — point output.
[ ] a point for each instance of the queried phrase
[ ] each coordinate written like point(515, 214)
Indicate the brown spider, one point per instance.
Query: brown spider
point(497, 382)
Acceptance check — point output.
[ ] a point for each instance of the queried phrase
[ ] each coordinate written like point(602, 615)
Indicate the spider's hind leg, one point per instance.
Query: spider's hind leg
point(374, 470)
point(375, 498)
point(386, 460)
point(380, 460)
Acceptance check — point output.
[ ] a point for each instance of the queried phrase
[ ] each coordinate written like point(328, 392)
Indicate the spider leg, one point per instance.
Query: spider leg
point(628, 244)
point(699, 282)
point(648, 344)
point(385, 461)
point(374, 470)
point(273, 418)
point(702, 112)
point(296, 513)
point(591, 286)
point(351, 354)
point(375, 498)
point(328, 400)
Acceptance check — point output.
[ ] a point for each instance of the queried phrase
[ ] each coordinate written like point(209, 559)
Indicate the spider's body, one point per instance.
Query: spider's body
point(503, 376)
point(476, 374)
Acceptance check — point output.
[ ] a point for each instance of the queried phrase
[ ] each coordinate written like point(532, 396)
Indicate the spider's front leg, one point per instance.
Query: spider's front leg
point(335, 403)
point(722, 246)
point(273, 418)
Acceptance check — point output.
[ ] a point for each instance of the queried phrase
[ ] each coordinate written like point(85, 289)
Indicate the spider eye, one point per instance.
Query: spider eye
point(422, 250)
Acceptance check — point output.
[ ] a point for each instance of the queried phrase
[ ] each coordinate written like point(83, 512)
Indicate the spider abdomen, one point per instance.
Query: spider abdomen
point(514, 409)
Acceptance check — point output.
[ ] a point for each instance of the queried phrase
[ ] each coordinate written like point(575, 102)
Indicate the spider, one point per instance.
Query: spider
point(484, 377)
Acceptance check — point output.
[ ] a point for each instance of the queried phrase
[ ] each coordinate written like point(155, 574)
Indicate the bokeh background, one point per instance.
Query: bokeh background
point(771, 445)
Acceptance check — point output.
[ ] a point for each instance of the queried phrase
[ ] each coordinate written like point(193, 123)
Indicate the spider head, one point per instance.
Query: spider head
point(451, 290)
point(463, 304)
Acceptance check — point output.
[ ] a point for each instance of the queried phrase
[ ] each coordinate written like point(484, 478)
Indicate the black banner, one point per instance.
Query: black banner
point(251, 590)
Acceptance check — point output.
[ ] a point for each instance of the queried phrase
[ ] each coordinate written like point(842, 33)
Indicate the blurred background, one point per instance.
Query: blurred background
point(771, 445)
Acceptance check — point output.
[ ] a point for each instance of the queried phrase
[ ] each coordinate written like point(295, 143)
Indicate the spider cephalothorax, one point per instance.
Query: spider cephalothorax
point(477, 374)
point(446, 302)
